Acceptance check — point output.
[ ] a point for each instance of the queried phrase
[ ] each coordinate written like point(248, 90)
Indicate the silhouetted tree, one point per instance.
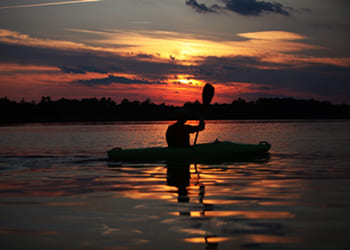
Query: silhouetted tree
point(105, 109)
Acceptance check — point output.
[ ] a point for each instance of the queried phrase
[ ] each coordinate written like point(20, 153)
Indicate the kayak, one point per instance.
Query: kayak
point(215, 151)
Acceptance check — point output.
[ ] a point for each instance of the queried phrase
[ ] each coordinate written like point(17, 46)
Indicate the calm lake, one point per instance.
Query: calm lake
point(58, 191)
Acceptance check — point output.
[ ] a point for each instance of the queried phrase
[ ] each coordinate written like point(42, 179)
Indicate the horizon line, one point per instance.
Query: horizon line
point(147, 99)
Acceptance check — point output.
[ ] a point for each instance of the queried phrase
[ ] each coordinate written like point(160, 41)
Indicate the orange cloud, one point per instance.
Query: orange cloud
point(186, 49)
point(14, 67)
point(273, 35)
point(17, 38)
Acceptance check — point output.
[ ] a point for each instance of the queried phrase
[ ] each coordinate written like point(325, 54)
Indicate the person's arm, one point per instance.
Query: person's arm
point(193, 129)
point(201, 125)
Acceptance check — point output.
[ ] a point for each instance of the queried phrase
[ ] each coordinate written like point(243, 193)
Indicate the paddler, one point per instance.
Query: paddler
point(178, 134)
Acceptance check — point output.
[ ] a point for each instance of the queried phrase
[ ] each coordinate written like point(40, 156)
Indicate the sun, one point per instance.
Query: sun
point(186, 80)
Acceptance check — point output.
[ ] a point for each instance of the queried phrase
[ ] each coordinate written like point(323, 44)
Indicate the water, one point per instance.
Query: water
point(58, 191)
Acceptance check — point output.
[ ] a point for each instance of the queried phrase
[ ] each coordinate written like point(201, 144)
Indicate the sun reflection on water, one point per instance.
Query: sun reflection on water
point(214, 202)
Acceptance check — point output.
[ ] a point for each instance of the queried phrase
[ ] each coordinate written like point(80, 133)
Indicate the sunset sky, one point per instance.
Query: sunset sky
point(166, 50)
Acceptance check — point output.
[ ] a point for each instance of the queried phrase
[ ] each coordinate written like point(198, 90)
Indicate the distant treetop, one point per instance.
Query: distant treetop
point(105, 109)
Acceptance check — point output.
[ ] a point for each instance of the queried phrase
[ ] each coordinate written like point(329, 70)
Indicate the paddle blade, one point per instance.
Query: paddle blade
point(207, 94)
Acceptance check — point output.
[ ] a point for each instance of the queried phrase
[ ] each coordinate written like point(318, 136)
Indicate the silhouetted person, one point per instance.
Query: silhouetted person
point(178, 134)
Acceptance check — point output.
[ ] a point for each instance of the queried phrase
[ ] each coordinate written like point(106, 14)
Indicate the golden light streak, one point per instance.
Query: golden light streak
point(186, 80)
point(278, 203)
point(209, 240)
point(242, 214)
point(222, 202)
point(273, 35)
point(260, 238)
point(157, 196)
point(191, 231)
point(109, 230)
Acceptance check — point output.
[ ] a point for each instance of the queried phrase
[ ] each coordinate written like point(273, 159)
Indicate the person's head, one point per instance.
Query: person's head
point(181, 117)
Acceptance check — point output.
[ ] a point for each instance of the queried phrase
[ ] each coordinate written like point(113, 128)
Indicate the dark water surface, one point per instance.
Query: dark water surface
point(58, 191)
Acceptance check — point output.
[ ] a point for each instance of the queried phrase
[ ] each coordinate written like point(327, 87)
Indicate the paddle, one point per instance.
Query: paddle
point(207, 96)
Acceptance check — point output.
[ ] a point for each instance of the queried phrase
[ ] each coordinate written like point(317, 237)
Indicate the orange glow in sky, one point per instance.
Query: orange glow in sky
point(187, 49)
point(271, 50)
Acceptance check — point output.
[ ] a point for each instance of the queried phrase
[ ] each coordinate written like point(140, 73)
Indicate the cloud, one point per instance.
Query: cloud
point(201, 8)
point(17, 38)
point(71, 70)
point(47, 4)
point(78, 58)
point(114, 79)
point(144, 56)
point(314, 78)
point(254, 7)
point(81, 70)
point(242, 7)
point(273, 35)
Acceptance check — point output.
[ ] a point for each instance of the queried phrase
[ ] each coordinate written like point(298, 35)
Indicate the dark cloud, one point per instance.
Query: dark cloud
point(314, 78)
point(145, 56)
point(114, 79)
point(71, 70)
point(254, 7)
point(243, 7)
point(81, 70)
point(93, 69)
point(201, 8)
point(75, 61)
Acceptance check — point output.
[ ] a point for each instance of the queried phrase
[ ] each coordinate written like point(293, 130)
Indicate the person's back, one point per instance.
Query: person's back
point(178, 134)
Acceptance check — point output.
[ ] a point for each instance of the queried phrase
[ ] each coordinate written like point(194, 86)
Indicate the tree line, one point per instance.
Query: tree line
point(105, 109)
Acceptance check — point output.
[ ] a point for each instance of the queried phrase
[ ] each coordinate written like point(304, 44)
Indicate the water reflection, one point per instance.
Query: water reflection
point(246, 204)
point(178, 175)
point(238, 204)
point(224, 208)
